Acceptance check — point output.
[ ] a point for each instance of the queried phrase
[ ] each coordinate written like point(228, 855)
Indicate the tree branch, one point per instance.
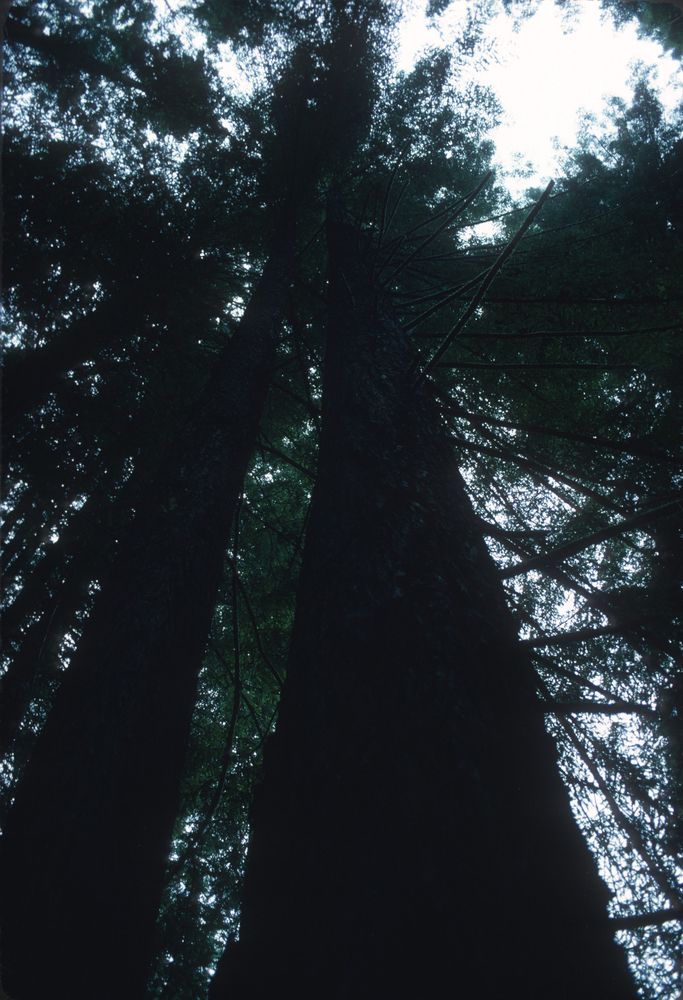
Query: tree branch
point(589, 707)
point(460, 208)
point(654, 919)
point(630, 446)
point(72, 54)
point(571, 675)
point(444, 300)
point(538, 469)
point(578, 635)
point(257, 635)
point(563, 552)
point(587, 366)
point(196, 840)
point(623, 821)
point(531, 335)
point(486, 283)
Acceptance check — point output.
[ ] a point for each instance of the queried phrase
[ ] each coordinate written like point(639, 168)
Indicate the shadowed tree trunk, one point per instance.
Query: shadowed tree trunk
point(88, 836)
point(412, 837)
point(89, 833)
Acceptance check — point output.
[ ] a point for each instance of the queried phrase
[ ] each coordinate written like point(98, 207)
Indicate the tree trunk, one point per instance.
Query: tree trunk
point(412, 837)
point(88, 836)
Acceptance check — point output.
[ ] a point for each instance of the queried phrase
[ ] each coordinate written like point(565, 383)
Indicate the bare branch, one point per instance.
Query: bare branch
point(460, 208)
point(654, 919)
point(531, 335)
point(629, 446)
point(578, 635)
point(226, 759)
point(563, 552)
point(623, 821)
point(486, 283)
point(590, 707)
point(586, 366)
point(540, 470)
point(257, 634)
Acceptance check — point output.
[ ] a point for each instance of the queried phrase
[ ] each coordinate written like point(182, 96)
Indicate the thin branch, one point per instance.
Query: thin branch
point(623, 821)
point(408, 299)
point(532, 335)
point(257, 635)
point(226, 759)
point(217, 651)
point(587, 366)
point(629, 446)
point(460, 208)
point(570, 300)
point(540, 470)
point(563, 552)
point(557, 473)
point(384, 226)
point(385, 201)
point(590, 707)
point(571, 675)
point(578, 635)
point(510, 540)
point(309, 243)
point(308, 405)
point(270, 449)
point(508, 535)
point(444, 300)
point(399, 199)
point(486, 283)
point(654, 919)
point(72, 54)
point(537, 476)
point(438, 214)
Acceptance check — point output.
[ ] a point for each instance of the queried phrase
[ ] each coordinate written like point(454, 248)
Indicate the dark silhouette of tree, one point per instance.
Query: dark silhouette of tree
point(393, 822)
point(175, 286)
point(129, 694)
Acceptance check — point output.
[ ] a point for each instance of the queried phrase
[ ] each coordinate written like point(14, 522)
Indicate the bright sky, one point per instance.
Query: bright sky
point(546, 74)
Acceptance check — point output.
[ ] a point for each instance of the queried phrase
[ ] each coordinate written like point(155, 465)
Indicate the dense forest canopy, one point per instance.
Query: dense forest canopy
point(342, 501)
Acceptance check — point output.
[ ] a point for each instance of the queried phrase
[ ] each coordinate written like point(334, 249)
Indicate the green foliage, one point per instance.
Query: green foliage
point(656, 19)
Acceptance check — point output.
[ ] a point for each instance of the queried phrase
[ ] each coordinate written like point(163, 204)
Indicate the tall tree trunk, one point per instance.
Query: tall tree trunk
point(88, 836)
point(412, 837)
point(87, 839)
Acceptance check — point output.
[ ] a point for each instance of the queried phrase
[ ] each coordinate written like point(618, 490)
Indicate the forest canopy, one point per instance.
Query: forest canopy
point(342, 497)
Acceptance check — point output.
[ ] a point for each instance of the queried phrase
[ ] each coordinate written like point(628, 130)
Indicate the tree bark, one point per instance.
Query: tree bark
point(88, 837)
point(412, 836)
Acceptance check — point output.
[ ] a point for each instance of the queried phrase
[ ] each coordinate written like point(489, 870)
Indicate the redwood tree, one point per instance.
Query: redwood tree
point(411, 834)
point(87, 838)
point(411, 822)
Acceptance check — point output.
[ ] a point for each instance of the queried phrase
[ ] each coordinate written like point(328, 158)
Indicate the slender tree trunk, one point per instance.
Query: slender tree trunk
point(412, 837)
point(88, 836)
